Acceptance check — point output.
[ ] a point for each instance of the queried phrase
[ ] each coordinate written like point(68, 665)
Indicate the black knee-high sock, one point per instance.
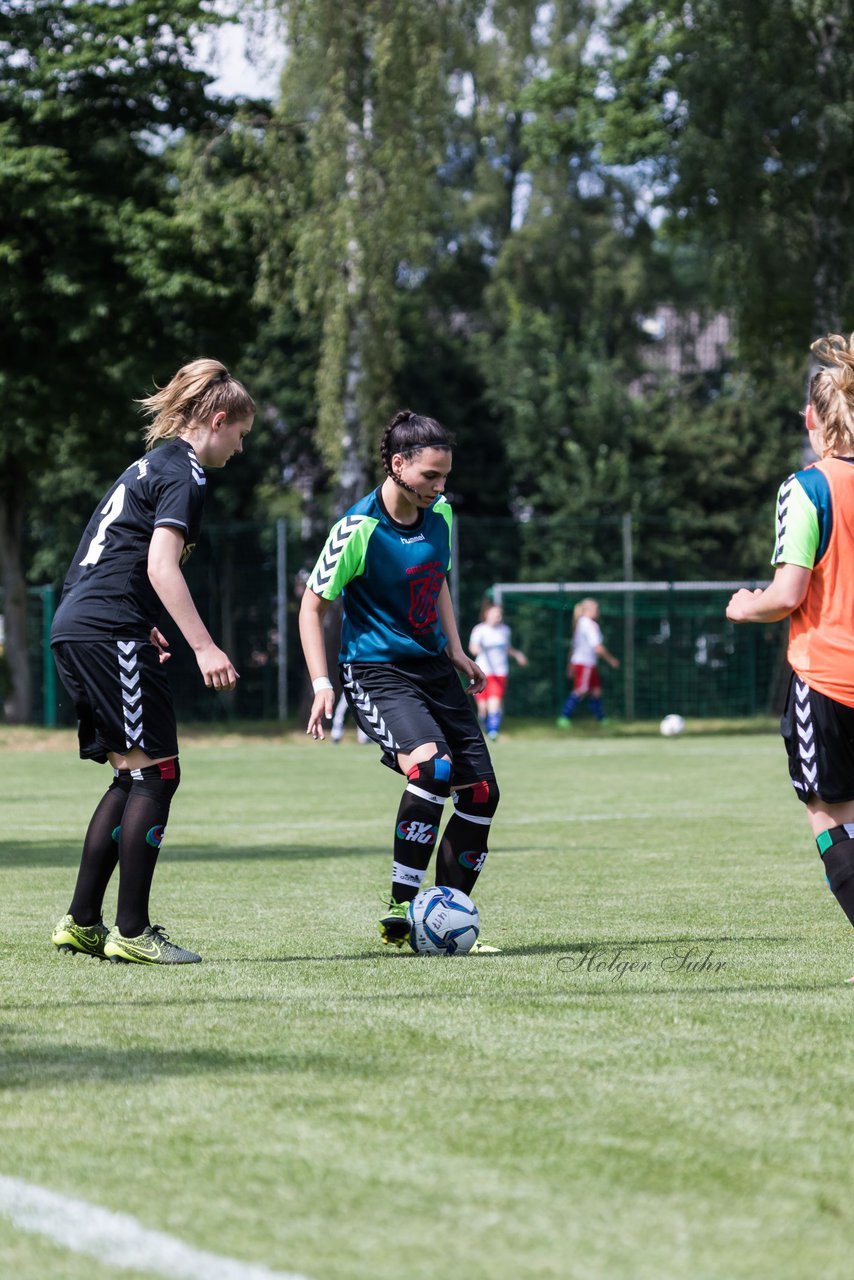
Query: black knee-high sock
point(465, 840)
point(416, 828)
point(100, 851)
point(143, 826)
point(844, 895)
point(836, 847)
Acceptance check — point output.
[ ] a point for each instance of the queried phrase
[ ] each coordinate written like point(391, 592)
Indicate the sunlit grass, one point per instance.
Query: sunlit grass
point(647, 1082)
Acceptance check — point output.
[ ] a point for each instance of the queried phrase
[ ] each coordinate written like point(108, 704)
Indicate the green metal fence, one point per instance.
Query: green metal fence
point(677, 651)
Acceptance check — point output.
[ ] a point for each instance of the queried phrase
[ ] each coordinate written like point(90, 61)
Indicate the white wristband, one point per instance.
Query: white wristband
point(321, 683)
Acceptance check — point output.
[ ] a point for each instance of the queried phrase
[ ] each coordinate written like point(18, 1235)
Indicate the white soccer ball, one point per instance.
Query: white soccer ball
point(671, 726)
point(443, 922)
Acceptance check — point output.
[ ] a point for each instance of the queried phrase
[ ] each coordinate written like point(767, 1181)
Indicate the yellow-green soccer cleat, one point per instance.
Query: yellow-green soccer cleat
point(484, 949)
point(80, 939)
point(151, 947)
point(394, 925)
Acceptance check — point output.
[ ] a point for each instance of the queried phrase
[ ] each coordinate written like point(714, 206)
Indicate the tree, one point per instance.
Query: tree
point(364, 101)
point(572, 269)
point(104, 284)
point(744, 113)
point(624, 130)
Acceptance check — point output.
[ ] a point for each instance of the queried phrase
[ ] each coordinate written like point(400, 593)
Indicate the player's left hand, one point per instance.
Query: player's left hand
point(161, 644)
point(474, 678)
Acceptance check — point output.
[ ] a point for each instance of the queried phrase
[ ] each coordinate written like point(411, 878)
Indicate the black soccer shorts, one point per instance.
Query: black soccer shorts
point(819, 737)
point(403, 705)
point(121, 696)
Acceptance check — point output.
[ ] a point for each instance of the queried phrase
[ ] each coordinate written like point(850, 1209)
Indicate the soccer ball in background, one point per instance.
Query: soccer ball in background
point(443, 922)
point(672, 726)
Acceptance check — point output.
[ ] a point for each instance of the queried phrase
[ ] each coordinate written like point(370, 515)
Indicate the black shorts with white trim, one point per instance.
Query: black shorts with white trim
point(819, 737)
point(405, 704)
point(121, 697)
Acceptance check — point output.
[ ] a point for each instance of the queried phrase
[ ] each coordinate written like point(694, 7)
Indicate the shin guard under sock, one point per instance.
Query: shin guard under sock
point(100, 851)
point(464, 845)
point(836, 847)
point(143, 827)
point(417, 826)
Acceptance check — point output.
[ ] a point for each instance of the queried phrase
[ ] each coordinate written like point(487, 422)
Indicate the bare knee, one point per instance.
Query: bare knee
point(419, 755)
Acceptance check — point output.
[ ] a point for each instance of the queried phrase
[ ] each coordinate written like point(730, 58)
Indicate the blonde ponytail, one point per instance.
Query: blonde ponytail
point(832, 392)
point(196, 392)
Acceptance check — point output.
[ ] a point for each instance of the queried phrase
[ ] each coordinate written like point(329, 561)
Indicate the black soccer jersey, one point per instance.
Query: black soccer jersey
point(107, 591)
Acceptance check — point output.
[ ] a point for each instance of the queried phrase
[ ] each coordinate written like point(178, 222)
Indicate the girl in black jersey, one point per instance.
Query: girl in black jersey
point(110, 653)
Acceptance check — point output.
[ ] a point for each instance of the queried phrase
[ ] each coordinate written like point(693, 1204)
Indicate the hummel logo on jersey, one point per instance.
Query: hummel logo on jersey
point(141, 465)
point(419, 537)
point(419, 832)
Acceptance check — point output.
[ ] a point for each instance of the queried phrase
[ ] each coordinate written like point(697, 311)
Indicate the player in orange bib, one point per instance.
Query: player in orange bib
point(813, 587)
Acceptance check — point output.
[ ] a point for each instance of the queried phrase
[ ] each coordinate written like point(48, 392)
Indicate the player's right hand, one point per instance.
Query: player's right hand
point(740, 604)
point(321, 709)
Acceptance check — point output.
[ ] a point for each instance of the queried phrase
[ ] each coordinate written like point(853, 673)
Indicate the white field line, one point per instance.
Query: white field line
point(117, 1239)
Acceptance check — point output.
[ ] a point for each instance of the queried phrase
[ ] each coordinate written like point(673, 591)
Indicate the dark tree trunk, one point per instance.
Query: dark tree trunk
point(18, 701)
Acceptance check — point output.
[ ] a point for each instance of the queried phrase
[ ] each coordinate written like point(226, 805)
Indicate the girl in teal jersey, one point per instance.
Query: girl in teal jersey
point(402, 661)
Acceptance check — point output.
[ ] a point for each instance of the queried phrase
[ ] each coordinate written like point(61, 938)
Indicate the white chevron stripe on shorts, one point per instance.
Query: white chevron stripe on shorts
point(131, 693)
point(369, 712)
point(806, 736)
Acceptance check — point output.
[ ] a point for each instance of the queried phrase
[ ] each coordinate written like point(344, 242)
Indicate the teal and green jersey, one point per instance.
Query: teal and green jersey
point(804, 519)
point(390, 576)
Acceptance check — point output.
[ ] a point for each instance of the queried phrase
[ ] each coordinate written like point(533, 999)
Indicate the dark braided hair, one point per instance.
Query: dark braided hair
point(407, 434)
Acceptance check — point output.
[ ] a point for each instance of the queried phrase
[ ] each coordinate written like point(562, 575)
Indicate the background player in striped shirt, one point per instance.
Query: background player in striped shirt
point(401, 661)
point(110, 653)
point(813, 587)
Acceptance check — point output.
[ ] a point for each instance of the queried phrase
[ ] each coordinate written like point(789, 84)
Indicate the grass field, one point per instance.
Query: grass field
point(649, 1081)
